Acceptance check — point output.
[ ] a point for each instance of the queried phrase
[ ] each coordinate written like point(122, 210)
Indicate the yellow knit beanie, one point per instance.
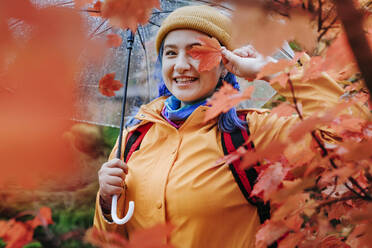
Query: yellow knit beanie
point(202, 18)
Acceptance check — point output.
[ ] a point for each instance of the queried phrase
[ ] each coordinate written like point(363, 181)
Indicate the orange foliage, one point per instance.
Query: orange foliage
point(37, 84)
point(269, 233)
point(154, 237)
point(269, 180)
point(108, 85)
point(209, 53)
point(113, 40)
point(224, 99)
point(96, 10)
point(283, 109)
point(268, 34)
point(17, 234)
point(81, 3)
point(127, 13)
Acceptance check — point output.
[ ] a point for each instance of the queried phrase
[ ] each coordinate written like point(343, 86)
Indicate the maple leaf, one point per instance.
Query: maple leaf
point(108, 84)
point(351, 151)
point(43, 218)
point(96, 10)
point(291, 240)
point(36, 96)
point(105, 239)
point(282, 79)
point(81, 3)
point(270, 232)
point(298, 27)
point(332, 241)
point(154, 237)
point(309, 124)
point(272, 68)
point(284, 109)
point(337, 210)
point(360, 236)
point(127, 13)
point(113, 40)
point(269, 180)
point(339, 59)
point(293, 205)
point(16, 234)
point(344, 123)
point(272, 152)
point(209, 53)
point(224, 99)
point(291, 188)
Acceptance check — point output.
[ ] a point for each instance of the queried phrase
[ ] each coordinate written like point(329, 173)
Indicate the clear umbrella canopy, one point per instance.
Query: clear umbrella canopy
point(95, 108)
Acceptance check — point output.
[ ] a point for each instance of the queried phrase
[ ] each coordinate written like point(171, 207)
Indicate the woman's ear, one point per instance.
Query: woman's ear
point(223, 73)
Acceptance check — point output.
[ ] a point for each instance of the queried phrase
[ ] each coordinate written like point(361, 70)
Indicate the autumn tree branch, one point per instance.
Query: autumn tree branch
point(328, 203)
point(352, 20)
point(364, 194)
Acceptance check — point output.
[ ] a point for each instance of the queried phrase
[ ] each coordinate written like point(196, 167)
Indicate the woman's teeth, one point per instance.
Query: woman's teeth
point(185, 80)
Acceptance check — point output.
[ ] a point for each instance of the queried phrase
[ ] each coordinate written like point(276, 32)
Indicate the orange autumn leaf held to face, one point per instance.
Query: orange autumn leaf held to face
point(209, 53)
point(108, 85)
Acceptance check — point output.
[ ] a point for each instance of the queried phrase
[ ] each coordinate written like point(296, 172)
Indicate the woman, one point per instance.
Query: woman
point(174, 177)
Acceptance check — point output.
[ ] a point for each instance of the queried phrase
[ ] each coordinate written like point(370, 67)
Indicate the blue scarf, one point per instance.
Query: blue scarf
point(172, 110)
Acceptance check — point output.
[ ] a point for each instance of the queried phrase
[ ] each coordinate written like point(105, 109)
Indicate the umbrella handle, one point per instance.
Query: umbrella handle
point(114, 216)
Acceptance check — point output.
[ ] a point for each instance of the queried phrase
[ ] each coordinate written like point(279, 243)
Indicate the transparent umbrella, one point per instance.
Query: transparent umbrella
point(140, 87)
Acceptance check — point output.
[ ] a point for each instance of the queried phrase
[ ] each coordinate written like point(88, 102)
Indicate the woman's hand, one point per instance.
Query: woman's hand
point(111, 179)
point(244, 62)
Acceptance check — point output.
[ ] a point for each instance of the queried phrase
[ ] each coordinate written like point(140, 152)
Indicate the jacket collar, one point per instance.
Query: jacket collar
point(151, 112)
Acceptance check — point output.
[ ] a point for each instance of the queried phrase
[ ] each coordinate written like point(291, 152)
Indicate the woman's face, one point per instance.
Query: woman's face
point(180, 70)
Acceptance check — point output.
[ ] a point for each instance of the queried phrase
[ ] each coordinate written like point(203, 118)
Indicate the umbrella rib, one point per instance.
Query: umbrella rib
point(99, 26)
point(146, 58)
point(153, 23)
point(107, 29)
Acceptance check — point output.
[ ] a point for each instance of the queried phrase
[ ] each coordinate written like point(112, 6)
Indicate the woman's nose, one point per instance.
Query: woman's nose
point(182, 63)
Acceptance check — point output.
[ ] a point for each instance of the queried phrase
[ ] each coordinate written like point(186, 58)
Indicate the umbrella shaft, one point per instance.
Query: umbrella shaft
point(130, 39)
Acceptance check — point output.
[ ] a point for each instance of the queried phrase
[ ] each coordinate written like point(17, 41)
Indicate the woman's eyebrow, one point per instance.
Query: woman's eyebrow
point(195, 44)
point(170, 46)
point(188, 46)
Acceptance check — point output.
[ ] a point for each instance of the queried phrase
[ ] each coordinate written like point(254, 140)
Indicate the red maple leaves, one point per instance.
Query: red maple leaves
point(209, 53)
point(17, 234)
point(113, 40)
point(154, 237)
point(108, 85)
point(224, 99)
point(128, 14)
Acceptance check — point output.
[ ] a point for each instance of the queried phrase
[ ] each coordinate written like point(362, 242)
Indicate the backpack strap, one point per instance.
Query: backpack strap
point(245, 179)
point(134, 140)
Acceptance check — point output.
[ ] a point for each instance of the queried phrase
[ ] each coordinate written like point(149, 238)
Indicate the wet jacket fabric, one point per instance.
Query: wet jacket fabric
point(174, 176)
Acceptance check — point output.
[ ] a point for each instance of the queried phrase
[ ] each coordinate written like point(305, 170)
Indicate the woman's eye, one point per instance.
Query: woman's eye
point(170, 53)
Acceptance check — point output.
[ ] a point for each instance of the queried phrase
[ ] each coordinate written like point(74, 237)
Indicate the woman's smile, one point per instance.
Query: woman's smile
point(185, 80)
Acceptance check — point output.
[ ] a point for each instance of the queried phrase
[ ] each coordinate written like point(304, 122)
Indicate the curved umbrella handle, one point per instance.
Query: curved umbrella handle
point(114, 215)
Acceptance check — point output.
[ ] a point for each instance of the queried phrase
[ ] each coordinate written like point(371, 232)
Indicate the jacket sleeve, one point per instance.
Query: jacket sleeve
point(103, 221)
point(315, 96)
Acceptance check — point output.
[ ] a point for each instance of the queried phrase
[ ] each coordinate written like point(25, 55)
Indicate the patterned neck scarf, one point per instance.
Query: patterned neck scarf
point(175, 114)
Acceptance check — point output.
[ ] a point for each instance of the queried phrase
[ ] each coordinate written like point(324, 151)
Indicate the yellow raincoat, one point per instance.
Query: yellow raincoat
point(174, 176)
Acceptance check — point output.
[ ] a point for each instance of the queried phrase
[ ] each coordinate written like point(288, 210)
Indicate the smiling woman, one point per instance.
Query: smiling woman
point(169, 163)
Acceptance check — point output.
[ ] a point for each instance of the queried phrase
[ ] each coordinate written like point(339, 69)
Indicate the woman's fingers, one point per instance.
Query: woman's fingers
point(247, 51)
point(108, 191)
point(111, 178)
point(117, 163)
point(115, 181)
